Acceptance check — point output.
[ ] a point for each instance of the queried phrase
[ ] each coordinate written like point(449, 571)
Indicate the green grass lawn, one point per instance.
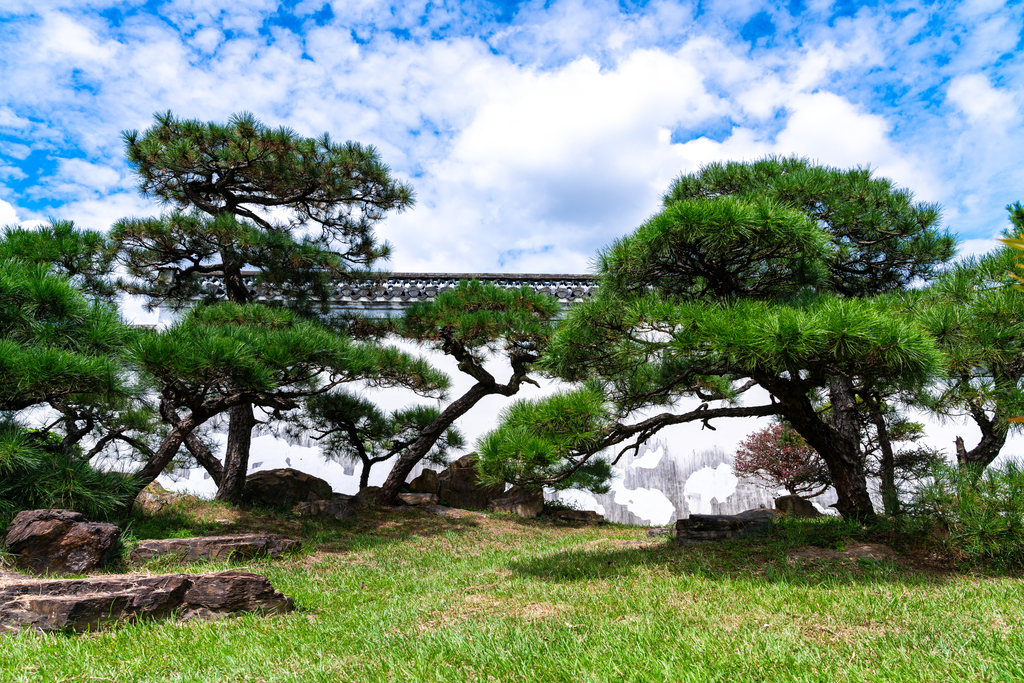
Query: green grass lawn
point(401, 596)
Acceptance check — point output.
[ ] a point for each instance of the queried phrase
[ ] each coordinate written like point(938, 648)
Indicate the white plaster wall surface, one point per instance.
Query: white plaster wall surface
point(684, 469)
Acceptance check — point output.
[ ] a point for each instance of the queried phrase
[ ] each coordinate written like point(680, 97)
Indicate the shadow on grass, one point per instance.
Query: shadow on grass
point(604, 558)
point(189, 517)
point(749, 561)
point(765, 560)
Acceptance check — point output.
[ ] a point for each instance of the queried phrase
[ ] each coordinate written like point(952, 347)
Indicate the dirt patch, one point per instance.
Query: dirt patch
point(479, 606)
point(853, 551)
point(850, 634)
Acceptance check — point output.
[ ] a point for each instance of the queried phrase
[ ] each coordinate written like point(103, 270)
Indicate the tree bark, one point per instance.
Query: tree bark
point(160, 459)
point(992, 441)
point(364, 475)
point(207, 460)
point(887, 463)
point(236, 459)
point(837, 441)
point(429, 436)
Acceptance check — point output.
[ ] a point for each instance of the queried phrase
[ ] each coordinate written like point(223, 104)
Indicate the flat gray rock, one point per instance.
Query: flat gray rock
point(418, 498)
point(219, 548)
point(703, 528)
point(78, 605)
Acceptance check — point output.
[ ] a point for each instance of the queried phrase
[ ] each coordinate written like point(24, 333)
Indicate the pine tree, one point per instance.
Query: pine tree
point(771, 274)
point(300, 212)
point(472, 323)
point(979, 322)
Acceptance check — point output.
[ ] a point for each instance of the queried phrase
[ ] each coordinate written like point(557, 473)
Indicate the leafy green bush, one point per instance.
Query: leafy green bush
point(35, 476)
point(977, 518)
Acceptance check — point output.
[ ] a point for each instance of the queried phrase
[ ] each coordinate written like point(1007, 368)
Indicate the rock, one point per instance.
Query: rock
point(335, 508)
point(795, 506)
point(76, 605)
point(220, 548)
point(700, 528)
point(455, 513)
point(60, 542)
point(427, 482)
point(658, 533)
point(525, 502)
point(154, 498)
point(853, 551)
point(367, 496)
point(577, 516)
point(284, 488)
point(459, 486)
point(418, 498)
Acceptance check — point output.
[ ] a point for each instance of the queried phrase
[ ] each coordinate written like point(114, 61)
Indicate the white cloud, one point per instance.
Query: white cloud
point(88, 175)
point(532, 143)
point(977, 247)
point(975, 97)
point(8, 216)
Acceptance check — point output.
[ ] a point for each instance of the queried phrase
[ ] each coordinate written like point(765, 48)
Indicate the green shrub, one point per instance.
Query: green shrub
point(977, 518)
point(34, 475)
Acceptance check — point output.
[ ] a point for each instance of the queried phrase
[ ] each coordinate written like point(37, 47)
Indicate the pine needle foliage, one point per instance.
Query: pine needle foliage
point(537, 443)
point(980, 516)
point(56, 348)
point(82, 256)
point(353, 429)
point(777, 273)
point(52, 341)
point(35, 474)
point(880, 239)
point(228, 348)
point(299, 211)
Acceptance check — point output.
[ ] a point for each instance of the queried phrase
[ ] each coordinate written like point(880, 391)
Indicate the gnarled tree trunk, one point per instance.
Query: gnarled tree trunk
point(236, 459)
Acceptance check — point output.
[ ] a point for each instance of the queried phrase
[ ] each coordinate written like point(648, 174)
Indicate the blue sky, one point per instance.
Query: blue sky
point(534, 132)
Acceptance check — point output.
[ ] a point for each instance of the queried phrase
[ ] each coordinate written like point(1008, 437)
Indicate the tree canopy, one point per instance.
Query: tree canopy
point(472, 323)
point(775, 274)
point(57, 349)
point(265, 214)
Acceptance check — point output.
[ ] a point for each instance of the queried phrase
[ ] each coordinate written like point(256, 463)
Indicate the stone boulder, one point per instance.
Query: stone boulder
point(237, 547)
point(154, 498)
point(525, 502)
point(77, 605)
point(459, 486)
point(367, 496)
point(334, 509)
point(795, 506)
point(588, 517)
point(701, 528)
point(284, 488)
point(60, 542)
point(427, 482)
point(418, 498)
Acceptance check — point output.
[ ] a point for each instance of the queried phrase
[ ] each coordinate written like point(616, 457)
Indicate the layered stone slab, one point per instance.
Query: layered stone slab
point(78, 605)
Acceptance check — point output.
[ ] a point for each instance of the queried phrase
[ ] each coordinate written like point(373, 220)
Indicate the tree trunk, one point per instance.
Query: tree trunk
point(364, 476)
point(429, 436)
point(236, 458)
point(993, 438)
point(837, 441)
point(887, 463)
point(158, 461)
point(199, 451)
